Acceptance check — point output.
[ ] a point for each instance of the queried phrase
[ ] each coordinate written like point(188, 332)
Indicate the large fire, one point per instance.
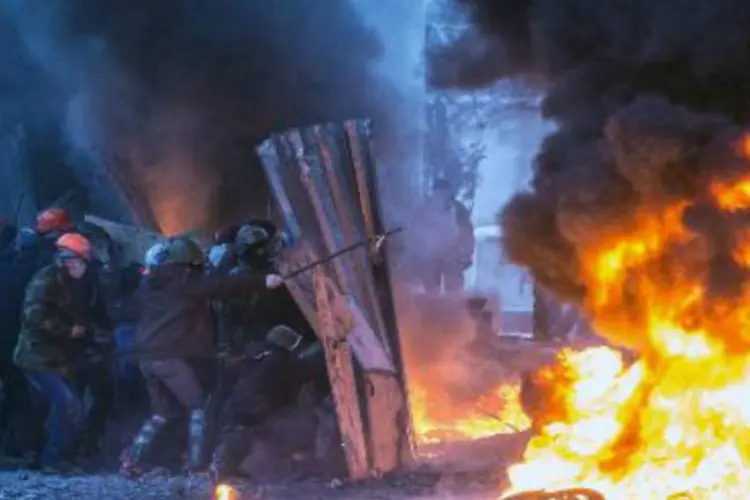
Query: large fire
point(675, 423)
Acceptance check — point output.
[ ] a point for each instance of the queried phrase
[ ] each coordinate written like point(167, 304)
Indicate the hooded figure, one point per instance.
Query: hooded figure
point(176, 325)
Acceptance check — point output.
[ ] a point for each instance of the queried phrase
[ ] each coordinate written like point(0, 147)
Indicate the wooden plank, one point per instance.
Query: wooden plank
point(331, 239)
point(356, 224)
point(341, 374)
point(358, 136)
point(386, 407)
point(273, 153)
point(300, 286)
point(364, 342)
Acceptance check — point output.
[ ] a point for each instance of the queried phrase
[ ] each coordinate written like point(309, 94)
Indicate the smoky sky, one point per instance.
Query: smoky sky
point(175, 93)
point(649, 98)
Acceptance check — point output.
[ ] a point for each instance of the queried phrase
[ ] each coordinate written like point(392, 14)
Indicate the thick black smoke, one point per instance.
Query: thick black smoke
point(173, 94)
point(649, 97)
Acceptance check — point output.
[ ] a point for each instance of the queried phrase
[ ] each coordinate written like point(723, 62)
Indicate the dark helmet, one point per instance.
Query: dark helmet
point(443, 184)
point(183, 250)
point(263, 231)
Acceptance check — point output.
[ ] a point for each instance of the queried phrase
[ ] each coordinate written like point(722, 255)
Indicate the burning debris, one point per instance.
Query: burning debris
point(638, 213)
point(455, 393)
point(438, 417)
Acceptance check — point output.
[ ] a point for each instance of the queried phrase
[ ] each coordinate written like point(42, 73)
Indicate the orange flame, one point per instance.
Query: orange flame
point(676, 422)
point(438, 418)
point(225, 492)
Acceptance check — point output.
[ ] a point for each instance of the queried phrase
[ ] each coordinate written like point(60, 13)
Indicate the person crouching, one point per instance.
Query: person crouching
point(45, 347)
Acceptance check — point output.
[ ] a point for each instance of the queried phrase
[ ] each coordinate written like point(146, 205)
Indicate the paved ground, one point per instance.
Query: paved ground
point(33, 486)
point(461, 471)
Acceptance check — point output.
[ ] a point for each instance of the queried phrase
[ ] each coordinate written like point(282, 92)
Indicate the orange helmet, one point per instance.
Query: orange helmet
point(73, 245)
point(53, 219)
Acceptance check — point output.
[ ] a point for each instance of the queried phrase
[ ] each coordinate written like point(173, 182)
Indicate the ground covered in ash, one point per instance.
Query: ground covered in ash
point(418, 485)
point(460, 471)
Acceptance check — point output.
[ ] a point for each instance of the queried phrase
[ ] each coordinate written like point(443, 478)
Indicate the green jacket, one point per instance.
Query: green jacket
point(46, 323)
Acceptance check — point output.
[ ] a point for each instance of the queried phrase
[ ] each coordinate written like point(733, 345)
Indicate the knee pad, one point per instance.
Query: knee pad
point(146, 435)
point(150, 428)
point(197, 421)
point(196, 437)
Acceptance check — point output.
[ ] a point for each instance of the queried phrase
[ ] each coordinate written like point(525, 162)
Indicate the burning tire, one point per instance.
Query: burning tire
point(572, 494)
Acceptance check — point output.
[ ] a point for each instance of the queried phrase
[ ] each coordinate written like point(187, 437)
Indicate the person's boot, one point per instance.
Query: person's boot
point(88, 448)
point(196, 439)
point(132, 457)
point(230, 451)
point(217, 467)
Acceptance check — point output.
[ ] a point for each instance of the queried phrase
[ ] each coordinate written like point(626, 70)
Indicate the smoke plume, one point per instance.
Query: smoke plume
point(650, 97)
point(171, 96)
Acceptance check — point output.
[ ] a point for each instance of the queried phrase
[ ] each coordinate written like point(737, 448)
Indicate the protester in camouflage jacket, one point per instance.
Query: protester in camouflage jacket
point(55, 319)
point(47, 329)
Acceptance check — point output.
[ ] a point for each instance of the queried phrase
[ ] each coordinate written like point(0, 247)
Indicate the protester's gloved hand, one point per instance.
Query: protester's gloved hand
point(274, 281)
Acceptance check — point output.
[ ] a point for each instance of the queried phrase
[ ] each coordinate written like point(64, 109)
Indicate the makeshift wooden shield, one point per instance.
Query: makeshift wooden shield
point(324, 182)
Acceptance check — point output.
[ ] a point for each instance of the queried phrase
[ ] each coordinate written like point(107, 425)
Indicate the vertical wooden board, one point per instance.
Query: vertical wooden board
point(364, 342)
point(358, 135)
point(385, 405)
point(354, 223)
point(279, 158)
point(343, 387)
point(302, 287)
point(344, 218)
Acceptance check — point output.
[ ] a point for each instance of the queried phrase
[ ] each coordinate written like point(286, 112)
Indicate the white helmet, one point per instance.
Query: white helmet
point(155, 255)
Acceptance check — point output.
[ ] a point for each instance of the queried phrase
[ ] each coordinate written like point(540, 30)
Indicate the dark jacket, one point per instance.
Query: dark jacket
point(175, 316)
point(271, 382)
point(53, 305)
point(249, 318)
point(8, 234)
point(15, 274)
